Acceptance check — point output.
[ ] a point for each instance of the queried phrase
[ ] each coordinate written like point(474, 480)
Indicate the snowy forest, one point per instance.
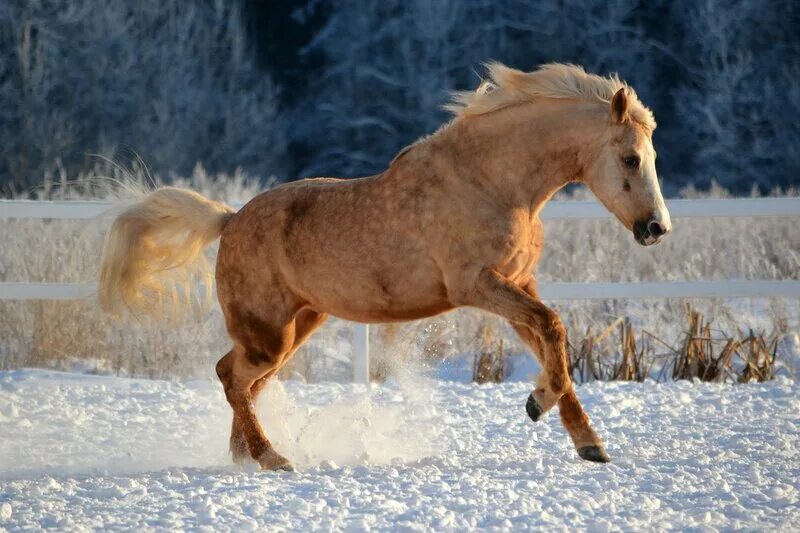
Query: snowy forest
point(297, 88)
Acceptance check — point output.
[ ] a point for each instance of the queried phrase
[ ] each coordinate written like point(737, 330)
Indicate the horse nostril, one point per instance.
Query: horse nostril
point(656, 228)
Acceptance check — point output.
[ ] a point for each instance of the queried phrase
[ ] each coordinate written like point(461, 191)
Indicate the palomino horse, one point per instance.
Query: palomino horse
point(452, 222)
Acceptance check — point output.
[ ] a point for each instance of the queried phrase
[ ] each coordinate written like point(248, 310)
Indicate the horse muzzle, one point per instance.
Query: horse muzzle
point(649, 232)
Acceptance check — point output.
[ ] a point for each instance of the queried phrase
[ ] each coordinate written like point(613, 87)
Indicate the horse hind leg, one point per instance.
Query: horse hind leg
point(238, 444)
point(239, 370)
point(238, 447)
point(243, 439)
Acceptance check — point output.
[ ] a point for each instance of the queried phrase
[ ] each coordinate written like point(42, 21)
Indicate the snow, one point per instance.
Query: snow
point(81, 452)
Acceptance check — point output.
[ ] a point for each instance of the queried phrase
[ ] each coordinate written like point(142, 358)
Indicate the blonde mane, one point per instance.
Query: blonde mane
point(507, 86)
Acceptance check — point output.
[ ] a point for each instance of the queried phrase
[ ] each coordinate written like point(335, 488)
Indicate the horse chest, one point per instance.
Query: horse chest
point(520, 253)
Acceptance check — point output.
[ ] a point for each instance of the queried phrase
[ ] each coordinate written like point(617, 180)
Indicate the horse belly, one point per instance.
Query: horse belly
point(365, 292)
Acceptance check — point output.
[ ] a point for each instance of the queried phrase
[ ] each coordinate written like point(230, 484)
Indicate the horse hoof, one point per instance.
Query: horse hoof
point(534, 411)
point(272, 460)
point(283, 467)
point(286, 467)
point(596, 454)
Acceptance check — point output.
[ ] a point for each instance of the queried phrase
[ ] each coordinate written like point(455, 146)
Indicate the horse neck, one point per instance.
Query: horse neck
point(523, 154)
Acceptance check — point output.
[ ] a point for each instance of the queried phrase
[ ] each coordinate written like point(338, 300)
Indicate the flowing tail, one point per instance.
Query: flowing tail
point(155, 249)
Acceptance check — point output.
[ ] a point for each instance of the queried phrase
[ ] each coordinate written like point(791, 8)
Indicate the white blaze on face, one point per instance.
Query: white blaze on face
point(653, 190)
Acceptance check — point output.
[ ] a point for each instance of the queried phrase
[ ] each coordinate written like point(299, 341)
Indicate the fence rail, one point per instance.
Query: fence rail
point(567, 210)
point(570, 210)
point(548, 291)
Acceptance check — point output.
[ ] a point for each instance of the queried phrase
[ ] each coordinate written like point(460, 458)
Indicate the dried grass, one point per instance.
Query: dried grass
point(703, 354)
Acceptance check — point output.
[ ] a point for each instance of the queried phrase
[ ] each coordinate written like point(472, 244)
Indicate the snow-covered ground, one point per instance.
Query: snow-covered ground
point(79, 452)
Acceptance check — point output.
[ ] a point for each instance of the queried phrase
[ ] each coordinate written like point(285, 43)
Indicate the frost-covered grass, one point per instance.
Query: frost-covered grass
point(64, 334)
point(91, 452)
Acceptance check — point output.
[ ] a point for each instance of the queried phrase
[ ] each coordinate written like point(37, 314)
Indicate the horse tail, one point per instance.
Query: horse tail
point(154, 251)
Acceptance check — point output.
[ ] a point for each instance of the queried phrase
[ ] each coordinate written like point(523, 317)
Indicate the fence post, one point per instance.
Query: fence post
point(361, 353)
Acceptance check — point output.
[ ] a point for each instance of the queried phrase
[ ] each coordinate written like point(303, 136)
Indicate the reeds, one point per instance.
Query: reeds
point(702, 353)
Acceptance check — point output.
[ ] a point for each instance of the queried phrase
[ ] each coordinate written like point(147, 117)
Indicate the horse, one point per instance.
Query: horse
point(453, 221)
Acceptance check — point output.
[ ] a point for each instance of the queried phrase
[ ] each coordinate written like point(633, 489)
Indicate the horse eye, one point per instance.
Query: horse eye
point(631, 161)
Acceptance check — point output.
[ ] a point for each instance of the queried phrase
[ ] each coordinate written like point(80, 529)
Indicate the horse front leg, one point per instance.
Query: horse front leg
point(541, 328)
point(497, 294)
point(575, 420)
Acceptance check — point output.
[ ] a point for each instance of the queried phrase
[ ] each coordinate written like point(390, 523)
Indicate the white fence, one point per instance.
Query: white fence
point(574, 210)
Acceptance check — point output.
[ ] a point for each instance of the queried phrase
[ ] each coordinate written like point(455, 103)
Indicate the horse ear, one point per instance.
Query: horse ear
point(619, 106)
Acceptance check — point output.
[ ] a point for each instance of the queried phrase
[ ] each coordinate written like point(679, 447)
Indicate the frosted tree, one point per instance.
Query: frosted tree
point(739, 92)
point(171, 81)
point(176, 83)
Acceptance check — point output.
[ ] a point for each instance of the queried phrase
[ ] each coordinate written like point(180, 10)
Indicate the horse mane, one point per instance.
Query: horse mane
point(507, 86)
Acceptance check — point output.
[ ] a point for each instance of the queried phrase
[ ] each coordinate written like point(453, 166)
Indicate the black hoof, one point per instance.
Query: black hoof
point(595, 454)
point(534, 411)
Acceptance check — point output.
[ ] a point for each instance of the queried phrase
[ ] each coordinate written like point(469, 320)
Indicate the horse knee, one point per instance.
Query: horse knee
point(555, 332)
